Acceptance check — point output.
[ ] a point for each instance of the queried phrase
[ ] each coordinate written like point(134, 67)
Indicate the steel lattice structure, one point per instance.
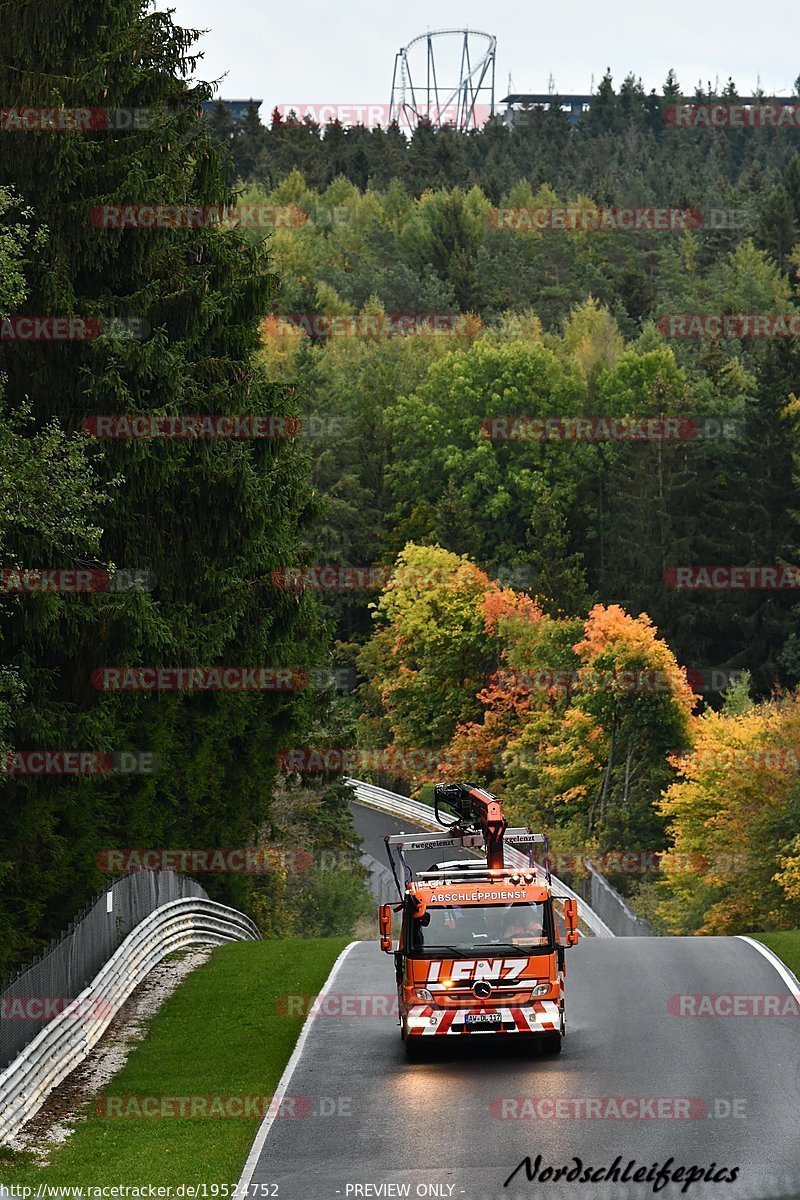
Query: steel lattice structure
point(457, 105)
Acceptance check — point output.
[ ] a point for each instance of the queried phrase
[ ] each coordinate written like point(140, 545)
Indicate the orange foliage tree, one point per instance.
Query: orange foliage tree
point(592, 754)
point(507, 699)
point(433, 650)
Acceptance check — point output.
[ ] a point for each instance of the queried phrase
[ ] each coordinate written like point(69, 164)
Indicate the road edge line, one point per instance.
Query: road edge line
point(243, 1186)
point(788, 977)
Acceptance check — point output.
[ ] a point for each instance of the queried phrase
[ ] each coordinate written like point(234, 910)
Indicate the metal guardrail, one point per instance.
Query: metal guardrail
point(617, 914)
point(26, 1083)
point(381, 880)
point(400, 806)
point(71, 962)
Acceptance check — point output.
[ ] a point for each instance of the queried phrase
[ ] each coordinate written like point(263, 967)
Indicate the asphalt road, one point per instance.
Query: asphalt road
point(458, 1125)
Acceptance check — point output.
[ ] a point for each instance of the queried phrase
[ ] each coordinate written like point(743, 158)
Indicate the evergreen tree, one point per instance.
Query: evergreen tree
point(605, 114)
point(249, 143)
point(671, 89)
point(221, 122)
point(209, 519)
point(791, 182)
point(777, 231)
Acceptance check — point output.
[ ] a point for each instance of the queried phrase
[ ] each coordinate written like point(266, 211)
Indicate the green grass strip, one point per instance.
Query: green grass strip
point(220, 1033)
point(785, 945)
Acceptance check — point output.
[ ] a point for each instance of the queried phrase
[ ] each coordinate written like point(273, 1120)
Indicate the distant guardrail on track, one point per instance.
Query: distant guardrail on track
point(616, 912)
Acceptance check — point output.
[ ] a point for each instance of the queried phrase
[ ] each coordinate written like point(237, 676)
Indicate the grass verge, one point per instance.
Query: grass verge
point(220, 1033)
point(785, 945)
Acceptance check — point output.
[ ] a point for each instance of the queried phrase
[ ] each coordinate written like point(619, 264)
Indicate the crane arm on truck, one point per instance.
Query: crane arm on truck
point(475, 808)
point(479, 824)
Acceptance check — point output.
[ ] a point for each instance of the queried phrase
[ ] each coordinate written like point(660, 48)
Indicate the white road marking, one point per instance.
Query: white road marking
point(283, 1082)
point(791, 980)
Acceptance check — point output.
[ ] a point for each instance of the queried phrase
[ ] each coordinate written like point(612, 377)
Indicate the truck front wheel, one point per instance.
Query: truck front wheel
point(416, 1048)
point(551, 1043)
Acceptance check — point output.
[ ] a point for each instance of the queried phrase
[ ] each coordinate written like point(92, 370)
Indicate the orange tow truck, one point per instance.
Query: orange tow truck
point(479, 952)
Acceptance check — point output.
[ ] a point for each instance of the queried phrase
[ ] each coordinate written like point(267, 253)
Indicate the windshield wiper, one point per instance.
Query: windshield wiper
point(506, 945)
point(458, 951)
point(481, 949)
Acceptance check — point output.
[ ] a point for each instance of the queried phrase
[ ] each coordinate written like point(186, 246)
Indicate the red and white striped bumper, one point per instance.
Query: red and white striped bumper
point(538, 1016)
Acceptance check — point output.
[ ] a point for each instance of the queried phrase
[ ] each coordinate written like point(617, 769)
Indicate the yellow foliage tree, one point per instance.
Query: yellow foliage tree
point(733, 816)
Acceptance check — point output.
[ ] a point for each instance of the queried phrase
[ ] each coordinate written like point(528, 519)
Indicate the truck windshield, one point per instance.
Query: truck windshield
point(472, 929)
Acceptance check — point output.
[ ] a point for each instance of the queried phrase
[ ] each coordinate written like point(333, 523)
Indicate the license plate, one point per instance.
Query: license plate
point(483, 1020)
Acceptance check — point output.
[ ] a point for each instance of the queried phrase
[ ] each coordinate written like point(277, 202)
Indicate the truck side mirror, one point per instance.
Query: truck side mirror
point(385, 927)
point(571, 919)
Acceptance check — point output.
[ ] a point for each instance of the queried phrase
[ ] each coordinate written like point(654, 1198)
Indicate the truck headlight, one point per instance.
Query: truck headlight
point(540, 989)
point(424, 994)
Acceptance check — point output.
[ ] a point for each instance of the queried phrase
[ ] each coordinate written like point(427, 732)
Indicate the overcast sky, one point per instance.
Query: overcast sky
point(309, 51)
